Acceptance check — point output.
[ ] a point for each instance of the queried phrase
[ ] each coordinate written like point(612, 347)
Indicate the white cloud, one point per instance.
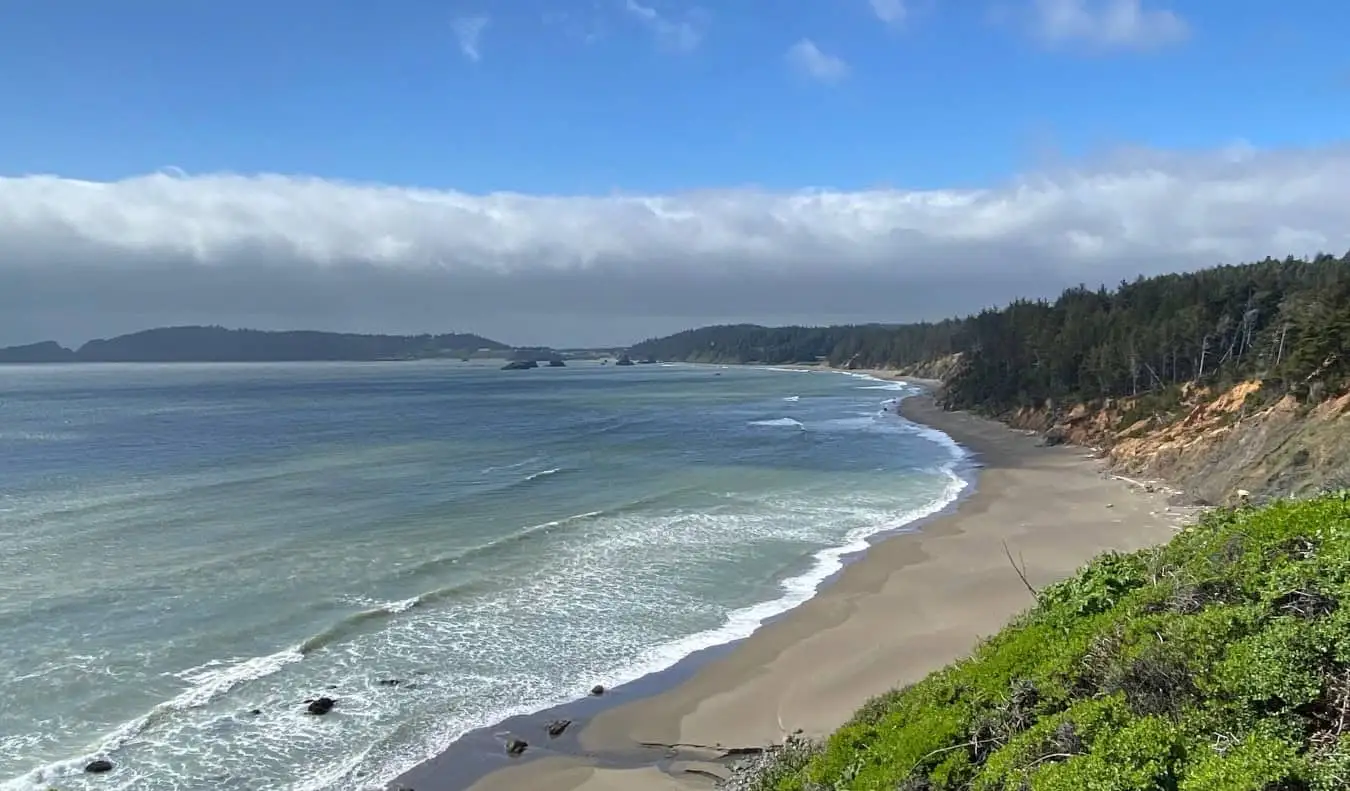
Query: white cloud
point(81, 259)
point(806, 57)
point(585, 28)
point(1116, 24)
point(680, 35)
point(892, 12)
point(469, 32)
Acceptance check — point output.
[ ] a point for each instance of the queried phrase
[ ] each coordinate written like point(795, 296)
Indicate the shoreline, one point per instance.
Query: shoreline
point(480, 752)
point(811, 667)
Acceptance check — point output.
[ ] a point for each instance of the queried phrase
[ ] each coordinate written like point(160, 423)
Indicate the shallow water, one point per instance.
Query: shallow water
point(182, 545)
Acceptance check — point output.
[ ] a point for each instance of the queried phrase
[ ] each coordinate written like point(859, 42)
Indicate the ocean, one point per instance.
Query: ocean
point(188, 552)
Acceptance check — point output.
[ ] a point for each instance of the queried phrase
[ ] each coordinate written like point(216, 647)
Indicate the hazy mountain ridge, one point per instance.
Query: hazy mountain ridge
point(219, 344)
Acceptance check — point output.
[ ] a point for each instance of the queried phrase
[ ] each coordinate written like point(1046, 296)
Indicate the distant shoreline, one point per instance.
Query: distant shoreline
point(199, 344)
point(813, 666)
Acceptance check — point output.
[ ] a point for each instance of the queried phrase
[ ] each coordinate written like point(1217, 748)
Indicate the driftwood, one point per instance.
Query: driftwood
point(1021, 572)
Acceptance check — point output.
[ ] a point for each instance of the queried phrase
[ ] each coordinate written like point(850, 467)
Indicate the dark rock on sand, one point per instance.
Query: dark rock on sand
point(556, 727)
point(598, 689)
point(515, 746)
point(321, 706)
point(99, 766)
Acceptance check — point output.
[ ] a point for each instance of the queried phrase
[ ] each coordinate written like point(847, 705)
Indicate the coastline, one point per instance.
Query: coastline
point(812, 667)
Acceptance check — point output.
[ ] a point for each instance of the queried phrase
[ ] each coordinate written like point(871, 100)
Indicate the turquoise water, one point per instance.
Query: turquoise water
point(183, 545)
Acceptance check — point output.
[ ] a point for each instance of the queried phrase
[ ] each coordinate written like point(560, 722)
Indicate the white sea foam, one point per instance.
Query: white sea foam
point(795, 590)
point(477, 680)
point(534, 476)
point(40, 436)
point(928, 433)
point(792, 398)
point(779, 422)
point(741, 623)
point(737, 624)
point(512, 466)
point(208, 682)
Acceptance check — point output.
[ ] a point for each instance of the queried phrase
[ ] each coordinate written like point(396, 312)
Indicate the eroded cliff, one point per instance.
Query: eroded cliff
point(1215, 443)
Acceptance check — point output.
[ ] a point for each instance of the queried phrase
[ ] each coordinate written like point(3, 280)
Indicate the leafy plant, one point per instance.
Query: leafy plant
point(1218, 662)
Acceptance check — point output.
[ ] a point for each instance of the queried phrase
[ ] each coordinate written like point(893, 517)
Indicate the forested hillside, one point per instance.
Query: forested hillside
point(857, 346)
point(1286, 323)
point(218, 344)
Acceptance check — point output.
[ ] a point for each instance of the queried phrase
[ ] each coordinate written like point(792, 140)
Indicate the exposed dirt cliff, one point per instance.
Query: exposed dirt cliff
point(939, 368)
point(1216, 444)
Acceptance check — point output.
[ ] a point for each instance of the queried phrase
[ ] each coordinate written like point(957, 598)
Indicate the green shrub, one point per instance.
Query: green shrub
point(1258, 762)
point(1218, 662)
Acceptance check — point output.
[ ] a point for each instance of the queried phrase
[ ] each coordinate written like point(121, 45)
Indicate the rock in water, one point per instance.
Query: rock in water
point(515, 746)
point(556, 727)
point(598, 689)
point(98, 766)
point(321, 706)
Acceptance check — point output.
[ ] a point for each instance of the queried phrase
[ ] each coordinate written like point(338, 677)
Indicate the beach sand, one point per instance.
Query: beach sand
point(911, 604)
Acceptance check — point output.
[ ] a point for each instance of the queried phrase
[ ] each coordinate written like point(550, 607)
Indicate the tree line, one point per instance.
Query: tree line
point(1285, 322)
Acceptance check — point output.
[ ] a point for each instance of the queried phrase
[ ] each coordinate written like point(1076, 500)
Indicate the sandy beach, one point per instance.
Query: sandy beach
point(914, 602)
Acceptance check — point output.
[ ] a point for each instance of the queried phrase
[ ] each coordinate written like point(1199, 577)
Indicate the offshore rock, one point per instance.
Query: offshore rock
point(321, 706)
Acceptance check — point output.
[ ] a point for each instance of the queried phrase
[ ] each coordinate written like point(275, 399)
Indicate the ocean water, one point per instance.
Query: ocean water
point(184, 545)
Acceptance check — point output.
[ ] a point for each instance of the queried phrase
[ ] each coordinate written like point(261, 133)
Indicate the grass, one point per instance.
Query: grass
point(1218, 662)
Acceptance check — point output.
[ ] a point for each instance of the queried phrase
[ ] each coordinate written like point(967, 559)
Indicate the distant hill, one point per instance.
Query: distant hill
point(45, 352)
point(218, 344)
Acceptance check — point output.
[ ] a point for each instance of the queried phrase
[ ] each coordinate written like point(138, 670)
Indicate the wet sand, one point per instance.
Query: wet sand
point(911, 604)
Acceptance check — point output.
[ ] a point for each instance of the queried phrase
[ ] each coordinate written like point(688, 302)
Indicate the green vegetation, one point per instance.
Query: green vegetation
point(1285, 322)
point(868, 346)
point(1218, 662)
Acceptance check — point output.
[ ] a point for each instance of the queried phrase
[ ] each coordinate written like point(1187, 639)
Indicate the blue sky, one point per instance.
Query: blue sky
point(598, 171)
point(587, 96)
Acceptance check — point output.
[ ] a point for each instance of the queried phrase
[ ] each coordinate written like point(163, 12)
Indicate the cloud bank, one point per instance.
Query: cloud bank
point(81, 259)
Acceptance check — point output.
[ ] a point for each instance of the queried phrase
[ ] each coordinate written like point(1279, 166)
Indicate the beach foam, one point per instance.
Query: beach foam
point(778, 422)
point(484, 626)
